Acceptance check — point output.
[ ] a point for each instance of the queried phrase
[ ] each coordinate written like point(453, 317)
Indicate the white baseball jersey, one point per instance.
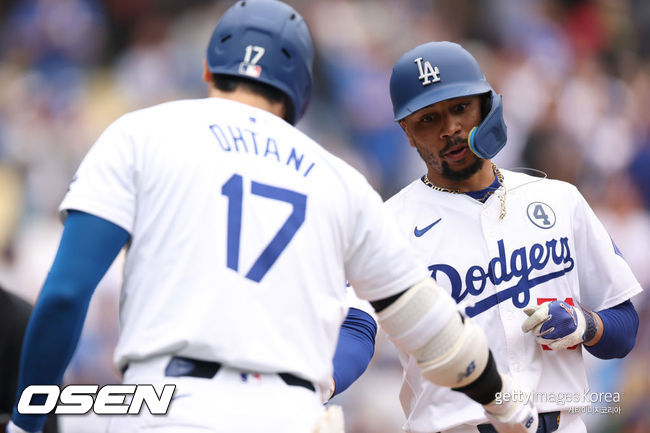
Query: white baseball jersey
point(243, 234)
point(549, 245)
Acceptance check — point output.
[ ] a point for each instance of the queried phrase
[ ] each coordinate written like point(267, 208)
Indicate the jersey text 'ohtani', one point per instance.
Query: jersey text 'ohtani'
point(248, 141)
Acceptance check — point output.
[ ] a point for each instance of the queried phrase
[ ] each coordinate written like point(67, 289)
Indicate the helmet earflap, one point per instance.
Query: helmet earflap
point(487, 139)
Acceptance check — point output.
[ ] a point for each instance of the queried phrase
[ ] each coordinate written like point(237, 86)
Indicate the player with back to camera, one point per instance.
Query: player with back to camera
point(525, 257)
point(240, 232)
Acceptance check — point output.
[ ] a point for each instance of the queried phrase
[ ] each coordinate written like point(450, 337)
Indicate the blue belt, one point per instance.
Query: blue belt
point(548, 422)
point(180, 366)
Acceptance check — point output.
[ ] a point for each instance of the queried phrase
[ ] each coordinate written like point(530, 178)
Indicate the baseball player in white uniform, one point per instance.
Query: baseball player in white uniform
point(525, 257)
point(240, 234)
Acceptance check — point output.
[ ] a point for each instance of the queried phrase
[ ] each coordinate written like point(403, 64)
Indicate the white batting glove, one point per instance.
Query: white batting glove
point(13, 428)
point(559, 325)
point(331, 421)
point(512, 411)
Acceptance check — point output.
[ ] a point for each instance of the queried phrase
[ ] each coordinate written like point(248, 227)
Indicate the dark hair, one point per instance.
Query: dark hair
point(229, 83)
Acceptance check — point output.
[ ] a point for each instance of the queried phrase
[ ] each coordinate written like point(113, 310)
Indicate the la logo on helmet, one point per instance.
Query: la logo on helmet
point(428, 73)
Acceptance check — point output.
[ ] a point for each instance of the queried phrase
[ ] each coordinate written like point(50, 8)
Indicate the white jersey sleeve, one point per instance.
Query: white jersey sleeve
point(605, 277)
point(107, 188)
point(375, 247)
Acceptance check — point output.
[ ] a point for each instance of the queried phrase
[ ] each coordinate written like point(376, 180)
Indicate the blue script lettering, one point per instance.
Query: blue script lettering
point(500, 269)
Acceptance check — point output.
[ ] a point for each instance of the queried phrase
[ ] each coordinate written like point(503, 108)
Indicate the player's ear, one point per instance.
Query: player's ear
point(207, 75)
point(402, 123)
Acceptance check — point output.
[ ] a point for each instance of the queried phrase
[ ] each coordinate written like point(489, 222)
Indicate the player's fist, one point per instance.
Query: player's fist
point(558, 324)
point(512, 411)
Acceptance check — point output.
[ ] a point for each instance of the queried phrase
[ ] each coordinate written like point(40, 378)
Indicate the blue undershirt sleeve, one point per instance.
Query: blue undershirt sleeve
point(354, 349)
point(88, 247)
point(620, 325)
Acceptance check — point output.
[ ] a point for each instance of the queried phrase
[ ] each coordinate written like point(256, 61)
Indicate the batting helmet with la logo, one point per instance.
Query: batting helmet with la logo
point(437, 71)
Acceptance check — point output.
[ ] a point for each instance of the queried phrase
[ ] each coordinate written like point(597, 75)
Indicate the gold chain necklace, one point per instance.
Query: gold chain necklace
point(502, 197)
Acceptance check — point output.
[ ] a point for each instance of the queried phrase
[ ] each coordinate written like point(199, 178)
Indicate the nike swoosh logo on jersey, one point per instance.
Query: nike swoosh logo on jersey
point(419, 232)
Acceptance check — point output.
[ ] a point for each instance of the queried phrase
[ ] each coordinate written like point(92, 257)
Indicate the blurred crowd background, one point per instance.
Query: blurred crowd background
point(575, 80)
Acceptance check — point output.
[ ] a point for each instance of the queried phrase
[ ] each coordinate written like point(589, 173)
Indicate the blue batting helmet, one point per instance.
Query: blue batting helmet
point(437, 71)
point(266, 41)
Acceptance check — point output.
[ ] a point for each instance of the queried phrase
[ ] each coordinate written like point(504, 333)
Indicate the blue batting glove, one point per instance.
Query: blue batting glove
point(558, 324)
